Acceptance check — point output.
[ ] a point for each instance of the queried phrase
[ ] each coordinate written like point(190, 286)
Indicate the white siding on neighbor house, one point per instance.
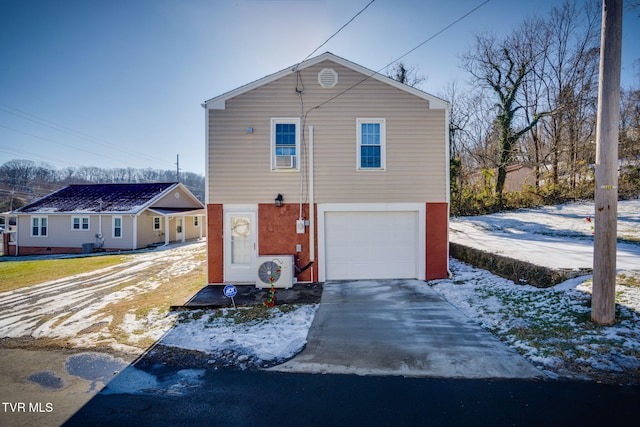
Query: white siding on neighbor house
point(416, 151)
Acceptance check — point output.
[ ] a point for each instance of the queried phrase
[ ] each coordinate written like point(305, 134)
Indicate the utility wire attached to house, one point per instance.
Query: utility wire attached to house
point(335, 34)
point(400, 57)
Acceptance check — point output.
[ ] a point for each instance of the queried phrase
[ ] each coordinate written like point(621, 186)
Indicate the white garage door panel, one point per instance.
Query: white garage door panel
point(371, 245)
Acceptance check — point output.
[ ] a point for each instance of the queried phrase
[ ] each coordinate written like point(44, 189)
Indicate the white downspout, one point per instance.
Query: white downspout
point(312, 223)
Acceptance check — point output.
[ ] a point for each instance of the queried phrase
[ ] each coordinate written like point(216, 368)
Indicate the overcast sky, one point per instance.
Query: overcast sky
point(119, 83)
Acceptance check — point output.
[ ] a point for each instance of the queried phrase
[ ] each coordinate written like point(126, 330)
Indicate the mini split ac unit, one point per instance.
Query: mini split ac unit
point(276, 268)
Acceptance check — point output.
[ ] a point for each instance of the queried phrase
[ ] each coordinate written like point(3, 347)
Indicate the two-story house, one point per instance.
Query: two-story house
point(340, 167)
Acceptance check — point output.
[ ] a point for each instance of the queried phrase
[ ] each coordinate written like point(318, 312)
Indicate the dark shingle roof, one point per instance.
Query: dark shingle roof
point(124, 198)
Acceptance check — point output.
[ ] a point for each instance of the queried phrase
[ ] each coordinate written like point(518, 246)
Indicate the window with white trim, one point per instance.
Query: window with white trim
point(196, 221)
point(116, 228)
point(157, 223)
point(371, 144)
point(39, 226)
point(285, 144)
point(80, 223)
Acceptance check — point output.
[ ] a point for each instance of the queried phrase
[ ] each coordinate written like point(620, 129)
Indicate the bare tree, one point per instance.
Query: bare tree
point(17, 174)
point(569, 72)
point(405, 74)
point(22, 181)
point(501, 66)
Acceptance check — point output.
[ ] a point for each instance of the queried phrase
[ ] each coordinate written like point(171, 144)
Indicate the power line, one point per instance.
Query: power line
point(63, 144)
point(336, 33)
point(15, 151)
point(402, 56)
point(64, 129)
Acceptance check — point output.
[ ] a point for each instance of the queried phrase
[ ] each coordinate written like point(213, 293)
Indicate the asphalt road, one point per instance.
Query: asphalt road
point(260, 398)
point(157, 393)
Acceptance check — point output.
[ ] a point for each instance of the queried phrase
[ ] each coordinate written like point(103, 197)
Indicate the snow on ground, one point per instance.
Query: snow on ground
point(75, 307)
point(552, 236)
point(551, 327)
point(280, 336)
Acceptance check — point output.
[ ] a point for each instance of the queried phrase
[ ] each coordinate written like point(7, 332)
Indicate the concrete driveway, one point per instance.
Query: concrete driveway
point(401, 327)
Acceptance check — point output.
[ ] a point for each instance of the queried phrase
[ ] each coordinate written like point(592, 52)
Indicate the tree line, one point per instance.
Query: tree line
point(23, 181)
point(532, 100)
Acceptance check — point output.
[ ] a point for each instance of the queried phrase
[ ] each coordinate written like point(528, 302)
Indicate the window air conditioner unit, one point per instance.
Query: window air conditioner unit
point(285, 162)
point(276, 268)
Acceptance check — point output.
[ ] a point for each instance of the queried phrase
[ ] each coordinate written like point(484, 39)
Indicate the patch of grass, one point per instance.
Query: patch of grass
point(632, 280)
point(170, 291)
point(255, 313)
point(259, 313)
point(19, 274)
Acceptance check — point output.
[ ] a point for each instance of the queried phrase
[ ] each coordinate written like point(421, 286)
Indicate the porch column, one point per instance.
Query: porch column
point(135, 232)
point(166, 230)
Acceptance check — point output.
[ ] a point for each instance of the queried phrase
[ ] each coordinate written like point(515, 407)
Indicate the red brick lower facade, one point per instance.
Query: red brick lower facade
point(437, 230)
point(215, 244)
point(277, 236)
point(43, 250)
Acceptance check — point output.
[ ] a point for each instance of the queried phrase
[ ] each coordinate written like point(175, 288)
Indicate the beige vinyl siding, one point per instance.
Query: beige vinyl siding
point(60, 235)
point(146, 234)
point(171, 201)
point(239, 162)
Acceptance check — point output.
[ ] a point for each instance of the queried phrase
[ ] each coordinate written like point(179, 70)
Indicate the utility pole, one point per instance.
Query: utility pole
point(177, 167)
point(606, 197)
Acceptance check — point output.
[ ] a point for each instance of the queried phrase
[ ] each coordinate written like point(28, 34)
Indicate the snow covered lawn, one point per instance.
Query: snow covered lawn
point(272, 335)
point(551, 236)
point(552, 327)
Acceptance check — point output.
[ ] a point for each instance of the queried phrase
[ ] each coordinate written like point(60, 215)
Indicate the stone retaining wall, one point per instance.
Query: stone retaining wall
point(521, 272)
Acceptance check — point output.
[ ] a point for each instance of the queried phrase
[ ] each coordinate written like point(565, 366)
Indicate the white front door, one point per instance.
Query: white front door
point(240, 245)
point(179, 228)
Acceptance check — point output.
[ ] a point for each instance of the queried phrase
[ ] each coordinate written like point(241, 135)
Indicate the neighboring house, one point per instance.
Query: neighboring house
point(107, 217)
point(358, 163)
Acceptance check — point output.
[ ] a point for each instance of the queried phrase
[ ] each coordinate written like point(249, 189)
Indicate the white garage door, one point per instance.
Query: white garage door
point(371, 245)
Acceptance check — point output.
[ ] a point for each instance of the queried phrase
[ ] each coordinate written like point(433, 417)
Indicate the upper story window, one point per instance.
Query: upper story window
point(117, 227)
point(80, 223)
point(285, 144)
point(39, 226)
point(371, 141)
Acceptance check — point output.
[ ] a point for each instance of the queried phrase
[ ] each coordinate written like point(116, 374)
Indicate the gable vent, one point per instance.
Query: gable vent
point(328, 78)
